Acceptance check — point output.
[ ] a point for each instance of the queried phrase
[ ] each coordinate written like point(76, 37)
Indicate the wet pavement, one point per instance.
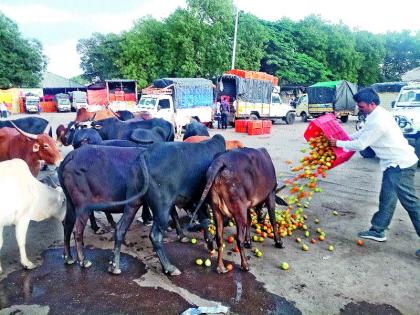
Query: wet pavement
point(364, 308)
point(72, 290)
point(237, 289)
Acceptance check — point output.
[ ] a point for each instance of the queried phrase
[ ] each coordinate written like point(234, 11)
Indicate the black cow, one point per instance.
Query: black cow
point(124, 115)
point(195, 129)
point(139, 137)
point(33, 125)
point(112, 128)
point(169, 186)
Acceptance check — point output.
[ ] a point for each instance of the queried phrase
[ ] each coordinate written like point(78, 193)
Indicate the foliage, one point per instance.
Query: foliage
point(21, 60)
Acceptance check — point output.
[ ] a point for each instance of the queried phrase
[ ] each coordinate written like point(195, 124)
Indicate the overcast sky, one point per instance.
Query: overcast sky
point(59, 24)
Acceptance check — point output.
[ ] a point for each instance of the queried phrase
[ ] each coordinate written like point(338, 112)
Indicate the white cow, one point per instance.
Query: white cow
point(22, 199)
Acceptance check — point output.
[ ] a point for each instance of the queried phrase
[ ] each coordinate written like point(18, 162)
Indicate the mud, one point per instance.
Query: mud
point(72, 290)
point(237, 289)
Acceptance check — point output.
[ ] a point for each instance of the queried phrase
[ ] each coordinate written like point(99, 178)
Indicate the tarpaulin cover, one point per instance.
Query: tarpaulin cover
point(97, 97)
point(248, 90)
point(390, 87)
point(188, 92)
point(340, 93)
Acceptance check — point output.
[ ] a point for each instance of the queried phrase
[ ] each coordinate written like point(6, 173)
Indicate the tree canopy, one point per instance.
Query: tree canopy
point(21, 60)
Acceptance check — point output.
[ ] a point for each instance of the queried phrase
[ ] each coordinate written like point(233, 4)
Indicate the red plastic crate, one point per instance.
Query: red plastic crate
point(254, 127)
point(328, 125)
point(267, 124)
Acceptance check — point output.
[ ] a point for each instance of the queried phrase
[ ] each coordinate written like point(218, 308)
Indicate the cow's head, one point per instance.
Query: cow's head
point(42, 146)
point(46, 149)
point(61, 134)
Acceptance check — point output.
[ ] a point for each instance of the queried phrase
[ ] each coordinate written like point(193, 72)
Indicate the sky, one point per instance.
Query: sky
point(60, 24)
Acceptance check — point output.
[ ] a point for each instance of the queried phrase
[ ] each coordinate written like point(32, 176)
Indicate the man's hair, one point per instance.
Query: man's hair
point(367, 95)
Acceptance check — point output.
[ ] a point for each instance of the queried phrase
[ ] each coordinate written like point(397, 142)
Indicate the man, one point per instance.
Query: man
point(224, 111)
point(397, 160)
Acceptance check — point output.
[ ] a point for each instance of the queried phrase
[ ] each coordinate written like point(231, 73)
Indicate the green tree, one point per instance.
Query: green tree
point(21, 60)
point(99, 55)
point(402, 54)
point(372, 52)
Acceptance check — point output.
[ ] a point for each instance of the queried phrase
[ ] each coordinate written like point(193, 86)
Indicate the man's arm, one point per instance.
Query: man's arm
point(367, 136)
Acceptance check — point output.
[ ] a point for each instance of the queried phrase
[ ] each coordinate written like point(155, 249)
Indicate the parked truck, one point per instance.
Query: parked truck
point(177, 100)
point(63, 102)
point(253, 95)
point(78, 100)
point(406, 111)
point(32, 103)
point(332, 97)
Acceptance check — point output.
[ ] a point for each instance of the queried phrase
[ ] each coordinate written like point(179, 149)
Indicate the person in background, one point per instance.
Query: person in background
point(398, 162)
point(217, 115)
point(224, 111)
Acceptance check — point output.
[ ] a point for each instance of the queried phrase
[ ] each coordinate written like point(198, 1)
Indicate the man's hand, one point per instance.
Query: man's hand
point(333, 142)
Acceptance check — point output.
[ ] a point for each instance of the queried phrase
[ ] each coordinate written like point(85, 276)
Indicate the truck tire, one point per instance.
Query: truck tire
point(254, 117)
point(304, 116)
point(344, 119)
point(290, 118)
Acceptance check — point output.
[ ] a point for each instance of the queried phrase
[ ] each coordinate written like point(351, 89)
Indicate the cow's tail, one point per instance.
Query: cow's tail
point(102, 206)
point(280, 201)
point(212, 172)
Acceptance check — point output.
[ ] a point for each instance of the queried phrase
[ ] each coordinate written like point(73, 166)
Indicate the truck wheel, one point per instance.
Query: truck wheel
point(253, 117)
point(304, 116)
point(344, 119)
point(290, 118)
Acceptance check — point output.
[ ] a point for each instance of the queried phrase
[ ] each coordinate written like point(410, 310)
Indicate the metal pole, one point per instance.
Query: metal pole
point(234, 37)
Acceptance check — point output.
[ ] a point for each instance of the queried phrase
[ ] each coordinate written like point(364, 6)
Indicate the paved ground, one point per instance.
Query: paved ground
point(377, 278)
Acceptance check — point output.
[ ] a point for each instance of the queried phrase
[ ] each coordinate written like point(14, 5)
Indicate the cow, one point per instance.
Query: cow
point(110, 129)
point(134, 175)
point(237, 181)
point(195, 129)
point(33, 149)
point(124, 115)
point(82, 115)
point(32, 125)
point(139, 137)
point(230, 144)
point(24, 198)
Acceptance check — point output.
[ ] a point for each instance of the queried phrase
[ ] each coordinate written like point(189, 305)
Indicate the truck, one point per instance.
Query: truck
point(253, 95)
point(32, 103)
point(332, 97)
point(178, 100)
point(78, 100)
point(406, 111)
point(63, 102)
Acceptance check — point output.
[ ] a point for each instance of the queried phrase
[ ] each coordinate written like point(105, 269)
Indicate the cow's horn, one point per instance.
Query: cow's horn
point(46, 128)
point(26, 134)
point(278, 189)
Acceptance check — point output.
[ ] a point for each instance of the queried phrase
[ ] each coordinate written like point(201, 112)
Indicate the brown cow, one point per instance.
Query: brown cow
point(238, 180)
point(15, 143)
point(230, 144)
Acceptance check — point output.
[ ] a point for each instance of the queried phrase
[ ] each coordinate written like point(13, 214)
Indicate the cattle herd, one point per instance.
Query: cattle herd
point(121, 163)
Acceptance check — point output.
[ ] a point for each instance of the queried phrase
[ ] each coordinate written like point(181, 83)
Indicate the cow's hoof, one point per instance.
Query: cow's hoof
point(222, 269)
point(85, 263)
point(28, 265)
point(279, 245)
point(247, 245)
point(173, 272)
point(100, 231)
point(112, 269)
point(184, 239)
point(68, 260)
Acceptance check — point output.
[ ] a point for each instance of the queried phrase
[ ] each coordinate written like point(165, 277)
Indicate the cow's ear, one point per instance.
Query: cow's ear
point(97, 127)
point(35, 148)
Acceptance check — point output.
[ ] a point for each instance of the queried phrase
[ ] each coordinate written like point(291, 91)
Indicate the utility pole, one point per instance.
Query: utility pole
point(234, 36)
